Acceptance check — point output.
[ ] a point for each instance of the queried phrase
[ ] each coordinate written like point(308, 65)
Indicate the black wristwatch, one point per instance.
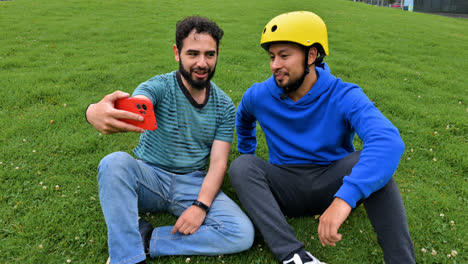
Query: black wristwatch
point(201, 205)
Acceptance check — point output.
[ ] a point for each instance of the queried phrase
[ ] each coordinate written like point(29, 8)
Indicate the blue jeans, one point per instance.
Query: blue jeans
point(128, 187)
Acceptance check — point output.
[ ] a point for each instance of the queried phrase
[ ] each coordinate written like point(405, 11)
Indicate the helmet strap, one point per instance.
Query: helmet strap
point(306, 65)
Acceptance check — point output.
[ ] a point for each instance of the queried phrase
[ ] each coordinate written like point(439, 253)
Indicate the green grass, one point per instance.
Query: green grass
point(56, 57)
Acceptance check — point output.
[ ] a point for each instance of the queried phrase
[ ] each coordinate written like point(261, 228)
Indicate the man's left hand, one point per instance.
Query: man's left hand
point(189, 221)
point(331, 220)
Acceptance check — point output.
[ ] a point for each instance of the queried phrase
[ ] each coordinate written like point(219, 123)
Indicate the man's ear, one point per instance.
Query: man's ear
point(176, 53)
point(313, 53)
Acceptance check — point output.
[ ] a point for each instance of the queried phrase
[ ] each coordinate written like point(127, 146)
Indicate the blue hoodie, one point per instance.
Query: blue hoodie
point(319, 129)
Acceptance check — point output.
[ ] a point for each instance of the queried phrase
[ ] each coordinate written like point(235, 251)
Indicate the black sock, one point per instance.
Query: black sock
point(145, 229)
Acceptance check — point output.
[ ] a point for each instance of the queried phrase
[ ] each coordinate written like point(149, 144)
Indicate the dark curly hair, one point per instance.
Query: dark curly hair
point(201, 25)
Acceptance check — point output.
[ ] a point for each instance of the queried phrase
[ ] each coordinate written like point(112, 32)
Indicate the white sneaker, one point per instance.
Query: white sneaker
point(296, 259)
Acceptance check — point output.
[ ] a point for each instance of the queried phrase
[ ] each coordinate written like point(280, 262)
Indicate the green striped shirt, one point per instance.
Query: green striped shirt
point(186, 130)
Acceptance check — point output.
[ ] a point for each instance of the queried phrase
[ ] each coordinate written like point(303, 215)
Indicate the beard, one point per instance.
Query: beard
point(291, 85)
point(197, 84)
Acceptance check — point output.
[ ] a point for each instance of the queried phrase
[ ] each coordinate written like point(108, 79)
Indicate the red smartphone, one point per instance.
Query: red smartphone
point(141, 106)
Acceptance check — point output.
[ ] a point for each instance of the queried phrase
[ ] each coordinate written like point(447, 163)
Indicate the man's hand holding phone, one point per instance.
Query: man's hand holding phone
point(106, 118)
point(139, 105)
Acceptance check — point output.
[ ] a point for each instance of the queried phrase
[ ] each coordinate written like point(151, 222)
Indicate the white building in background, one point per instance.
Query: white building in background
point(408, 5)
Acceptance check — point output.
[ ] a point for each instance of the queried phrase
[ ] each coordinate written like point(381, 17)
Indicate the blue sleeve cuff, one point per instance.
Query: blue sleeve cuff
point(349, 193)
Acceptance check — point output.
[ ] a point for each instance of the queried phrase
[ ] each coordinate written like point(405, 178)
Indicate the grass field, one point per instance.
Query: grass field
point(56, 57)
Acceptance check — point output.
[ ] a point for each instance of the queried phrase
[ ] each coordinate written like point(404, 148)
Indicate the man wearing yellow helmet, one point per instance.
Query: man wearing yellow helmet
point(310, 118)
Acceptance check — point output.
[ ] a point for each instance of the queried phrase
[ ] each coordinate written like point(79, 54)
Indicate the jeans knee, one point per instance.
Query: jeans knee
point(114, 165)
point(244, 237)
point(115, 158)
point(248, 235)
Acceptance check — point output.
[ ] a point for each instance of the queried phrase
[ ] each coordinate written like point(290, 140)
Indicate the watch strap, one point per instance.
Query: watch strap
point(203, 206)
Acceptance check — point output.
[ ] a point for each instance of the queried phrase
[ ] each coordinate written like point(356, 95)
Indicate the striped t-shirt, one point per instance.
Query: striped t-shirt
point(186, 130)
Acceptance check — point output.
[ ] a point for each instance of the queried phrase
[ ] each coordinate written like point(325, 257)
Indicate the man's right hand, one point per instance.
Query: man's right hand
point(105, 117)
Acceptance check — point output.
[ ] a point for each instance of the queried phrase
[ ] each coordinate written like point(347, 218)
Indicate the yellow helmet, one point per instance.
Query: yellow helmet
point(302, 27)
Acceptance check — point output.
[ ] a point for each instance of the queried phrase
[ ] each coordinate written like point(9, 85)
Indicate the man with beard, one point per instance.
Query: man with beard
point(195, 123)
point(309, 118)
